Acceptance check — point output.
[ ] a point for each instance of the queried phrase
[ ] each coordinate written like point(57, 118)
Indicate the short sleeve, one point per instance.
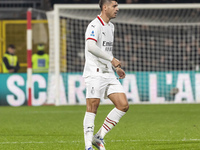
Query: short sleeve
point(92, 32)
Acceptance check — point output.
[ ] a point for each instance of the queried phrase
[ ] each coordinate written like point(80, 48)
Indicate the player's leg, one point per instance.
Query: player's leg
point(95, 86)
point(121, 107)
point(88, 123)
point(120, 101)
point(116, 94)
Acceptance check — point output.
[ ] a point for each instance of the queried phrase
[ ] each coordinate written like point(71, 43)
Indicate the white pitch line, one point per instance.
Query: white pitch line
point(34, 142)
point(57, 112)
point(155, 140)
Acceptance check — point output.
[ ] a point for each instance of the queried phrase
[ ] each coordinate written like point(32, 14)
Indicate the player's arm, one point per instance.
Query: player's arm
point(95, 50)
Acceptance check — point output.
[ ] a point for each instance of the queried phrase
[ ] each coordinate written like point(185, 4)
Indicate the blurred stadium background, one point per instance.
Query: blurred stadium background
point(157, 42)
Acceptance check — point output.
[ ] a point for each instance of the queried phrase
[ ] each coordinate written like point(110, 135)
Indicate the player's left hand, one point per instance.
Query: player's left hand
point(121, 73)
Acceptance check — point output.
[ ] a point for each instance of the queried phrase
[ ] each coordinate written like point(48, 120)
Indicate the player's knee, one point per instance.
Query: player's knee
point(124, 107)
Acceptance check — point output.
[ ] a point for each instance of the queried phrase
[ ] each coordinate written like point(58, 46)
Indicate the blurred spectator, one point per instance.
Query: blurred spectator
point(40, 60)
point(10, 60)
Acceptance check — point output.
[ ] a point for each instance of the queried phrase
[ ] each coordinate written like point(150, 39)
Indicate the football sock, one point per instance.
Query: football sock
point(111, 120)
point(88, 126)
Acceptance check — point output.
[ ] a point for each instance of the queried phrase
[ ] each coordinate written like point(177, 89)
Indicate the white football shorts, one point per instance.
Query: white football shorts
point(99, 87)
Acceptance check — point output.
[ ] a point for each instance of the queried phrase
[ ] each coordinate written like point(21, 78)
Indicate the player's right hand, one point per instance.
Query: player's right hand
point(115, 62)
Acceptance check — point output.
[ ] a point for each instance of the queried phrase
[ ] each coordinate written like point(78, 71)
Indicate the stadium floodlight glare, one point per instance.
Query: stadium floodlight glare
point(148, 37)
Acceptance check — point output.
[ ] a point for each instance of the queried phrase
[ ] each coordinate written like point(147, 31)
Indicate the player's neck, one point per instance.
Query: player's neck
point(105, 18)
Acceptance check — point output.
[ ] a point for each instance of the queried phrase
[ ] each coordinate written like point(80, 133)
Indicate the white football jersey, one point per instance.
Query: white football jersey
point(103, 34)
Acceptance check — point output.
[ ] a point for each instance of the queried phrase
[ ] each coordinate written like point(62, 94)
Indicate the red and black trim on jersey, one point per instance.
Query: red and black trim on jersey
point(100, 20)
point(101, 23)
point(91, 39)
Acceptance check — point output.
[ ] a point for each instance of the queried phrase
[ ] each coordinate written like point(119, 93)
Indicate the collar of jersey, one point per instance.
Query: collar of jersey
point(101, 20)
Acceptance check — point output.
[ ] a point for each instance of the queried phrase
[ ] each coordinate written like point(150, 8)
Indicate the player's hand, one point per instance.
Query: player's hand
point(116, 63)
point(121, 73)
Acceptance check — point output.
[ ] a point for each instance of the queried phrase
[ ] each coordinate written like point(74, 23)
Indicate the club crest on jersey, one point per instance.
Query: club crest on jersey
point(92, 91)
point(92, 34)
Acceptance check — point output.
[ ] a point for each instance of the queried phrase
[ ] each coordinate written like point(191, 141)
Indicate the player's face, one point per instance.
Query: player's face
point(112, 9)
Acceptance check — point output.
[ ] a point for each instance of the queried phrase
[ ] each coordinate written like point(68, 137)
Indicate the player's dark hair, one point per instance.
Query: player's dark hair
point(102, 2)
point(11, 46)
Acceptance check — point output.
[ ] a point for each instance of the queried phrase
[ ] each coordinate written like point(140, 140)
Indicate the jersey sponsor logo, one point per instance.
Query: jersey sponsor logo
point(108, 46)
point(108, 49)
point(107, 43)
point(92, 34)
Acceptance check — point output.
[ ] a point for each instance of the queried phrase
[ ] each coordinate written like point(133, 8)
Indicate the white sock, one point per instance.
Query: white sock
point(111, 120)
point(88, 126)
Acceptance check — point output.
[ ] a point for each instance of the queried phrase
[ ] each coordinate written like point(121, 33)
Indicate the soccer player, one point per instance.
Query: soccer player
point(99, 76)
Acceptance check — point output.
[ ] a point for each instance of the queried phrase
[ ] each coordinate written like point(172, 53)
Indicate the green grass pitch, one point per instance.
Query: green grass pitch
point(144, 127)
